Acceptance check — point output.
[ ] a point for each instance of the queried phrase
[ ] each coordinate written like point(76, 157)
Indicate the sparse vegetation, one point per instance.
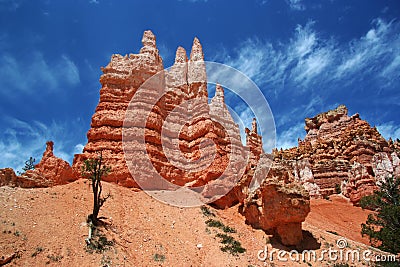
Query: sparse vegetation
point(207, 212)
point(383, 227)
point(230, 244)
point(37, 251)
point(214, 223)
point(159, 257)
point(220, 225)
point(94, 170)
point(54, 258)
point(98, 242)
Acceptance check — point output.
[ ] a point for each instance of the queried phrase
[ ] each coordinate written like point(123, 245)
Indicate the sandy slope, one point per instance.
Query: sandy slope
point(338, 215)
point(50, 223)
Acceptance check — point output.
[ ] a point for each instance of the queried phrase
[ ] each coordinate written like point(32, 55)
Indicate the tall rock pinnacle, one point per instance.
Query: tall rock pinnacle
point(183, 108)
point(219, 93)
point(197, 76)
point(148, 42)
point(197, 51)
point(181, 56)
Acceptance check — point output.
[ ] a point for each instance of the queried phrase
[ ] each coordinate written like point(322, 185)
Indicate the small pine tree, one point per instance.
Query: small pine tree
point(29, 164)
point(383, 227)
point(94, 170)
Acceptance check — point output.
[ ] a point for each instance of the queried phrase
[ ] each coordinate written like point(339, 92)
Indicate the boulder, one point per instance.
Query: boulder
point(278, 206)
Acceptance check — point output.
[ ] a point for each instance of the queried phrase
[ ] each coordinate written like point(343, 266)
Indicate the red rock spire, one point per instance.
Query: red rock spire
point(181, 56)
point(197, 76)
point(197, 51)
point(219, 93)
point(254, 126)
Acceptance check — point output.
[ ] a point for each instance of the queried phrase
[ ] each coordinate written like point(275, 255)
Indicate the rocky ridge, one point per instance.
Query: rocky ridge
point(341, 153)
point(50, 171)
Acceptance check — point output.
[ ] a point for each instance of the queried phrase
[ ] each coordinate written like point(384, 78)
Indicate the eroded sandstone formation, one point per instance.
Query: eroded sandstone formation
point(186, 140)
point(120, 80)
point(176, 105)
point(50, 171)
point(279, 205)
point(341, 153)
point(53, 168)
point(253, 174)
point(29, 179)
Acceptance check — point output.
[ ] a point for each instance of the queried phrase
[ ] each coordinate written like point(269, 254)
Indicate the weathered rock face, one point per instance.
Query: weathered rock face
point(180, 113)
point(49, 172)
point(341, 151)
point(120, 80)
point(30, 179)
point(53, 168)
point(165, 126)
point(360, 183)
point(278, 206)
point(253, 175)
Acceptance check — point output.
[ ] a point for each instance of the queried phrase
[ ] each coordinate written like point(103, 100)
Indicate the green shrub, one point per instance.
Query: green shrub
point(383, 227)
point(37, 251)
point(206, 211)
point(230, 244)
point(220, 225)
point(99, 242)
point(159, 257)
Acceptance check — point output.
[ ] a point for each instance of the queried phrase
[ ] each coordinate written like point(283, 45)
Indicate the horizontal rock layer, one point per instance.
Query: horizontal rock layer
point(342, 153)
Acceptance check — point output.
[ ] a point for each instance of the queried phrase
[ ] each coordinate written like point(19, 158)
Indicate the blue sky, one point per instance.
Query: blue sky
point(306, 57)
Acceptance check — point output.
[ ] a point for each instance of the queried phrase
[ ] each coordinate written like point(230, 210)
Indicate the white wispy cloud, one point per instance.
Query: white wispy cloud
point(21, 140)
point(389, 130)
point(289, 137)
point(380, 44)
point(296, 4)
point(25, 75)
point(313, 66)
point(309, 59)
point(78, 148)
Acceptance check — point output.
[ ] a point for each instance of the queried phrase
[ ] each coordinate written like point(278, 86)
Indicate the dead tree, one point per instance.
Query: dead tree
point(94, 170)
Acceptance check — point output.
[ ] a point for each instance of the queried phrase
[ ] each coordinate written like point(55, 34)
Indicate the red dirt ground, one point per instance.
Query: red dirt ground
point(47, 227)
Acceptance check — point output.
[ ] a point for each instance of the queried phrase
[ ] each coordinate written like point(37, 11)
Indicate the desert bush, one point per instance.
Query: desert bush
point(383, 227)
point(207, 212)
point(159, 257)
point(98, 242)
point(230, 244)
point(37, 251)
point(220, 225)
